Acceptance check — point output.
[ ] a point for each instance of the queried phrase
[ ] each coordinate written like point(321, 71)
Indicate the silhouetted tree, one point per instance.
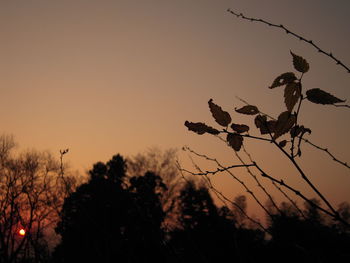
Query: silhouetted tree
point(208, 233)
point(240, 214)
point(109, 218)
point(163, 164)
point(30, 199)
point(306, 239)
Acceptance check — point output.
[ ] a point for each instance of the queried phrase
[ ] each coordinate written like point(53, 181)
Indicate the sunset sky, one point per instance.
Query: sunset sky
point(106, 76)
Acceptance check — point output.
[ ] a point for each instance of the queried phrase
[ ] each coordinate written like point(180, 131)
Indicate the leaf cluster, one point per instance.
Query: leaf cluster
point(286, 121)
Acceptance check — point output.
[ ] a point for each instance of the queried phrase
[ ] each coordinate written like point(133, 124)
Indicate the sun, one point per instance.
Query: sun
point(21, 232)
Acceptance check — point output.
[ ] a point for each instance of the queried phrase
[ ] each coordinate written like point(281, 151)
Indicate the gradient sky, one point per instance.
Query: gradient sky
point(108, 76)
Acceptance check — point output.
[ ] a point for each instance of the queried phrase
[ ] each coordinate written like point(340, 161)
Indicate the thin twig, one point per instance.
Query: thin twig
point(221, 196)
point(328, 152)
point(276, 186)
point(298, 193)
point(232, 175)
point(289, 199)
point(248, 136)
point(329, 54)
point(218, 169)
point(307, 180)
point(341, 105)
point(258, 182)
point(245, 102)
point(306, 140)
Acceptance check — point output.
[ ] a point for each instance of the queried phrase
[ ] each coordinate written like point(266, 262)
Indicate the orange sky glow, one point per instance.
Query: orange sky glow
point(106, 77)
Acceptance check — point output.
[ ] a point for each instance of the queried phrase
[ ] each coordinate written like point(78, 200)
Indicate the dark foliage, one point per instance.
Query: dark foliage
point(117, 218)
point(209, 234)
point(306, 240)
point(108, 220)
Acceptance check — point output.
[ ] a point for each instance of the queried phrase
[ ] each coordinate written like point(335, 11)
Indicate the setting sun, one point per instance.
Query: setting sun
point(164, 131)
point(21, 232)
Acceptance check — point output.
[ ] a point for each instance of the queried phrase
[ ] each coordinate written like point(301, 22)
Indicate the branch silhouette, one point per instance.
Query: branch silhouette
point(328, 152)
point(285, 29)
point(334, 158)
point(285, 123)
point(334, 214)
point(218, 193)
point(248, 190)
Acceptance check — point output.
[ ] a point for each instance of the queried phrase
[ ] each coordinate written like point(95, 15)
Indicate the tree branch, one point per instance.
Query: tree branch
point(329, 54)
point(298, 193)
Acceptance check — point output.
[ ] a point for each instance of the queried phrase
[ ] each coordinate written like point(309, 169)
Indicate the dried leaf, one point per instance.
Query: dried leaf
point(265, 126)
point(221, 117)
point(292, 93)
point(284, 123)
point(297, 130)
point(282, 143)
point(268, 127)
point(235, 141)
point(319, 96)
point(240, 128)
point(300, 64)
point(283, 79)
point(248, 109)
point(200, 128)
point(271, 126)
point(306, 130)
point(260, 120)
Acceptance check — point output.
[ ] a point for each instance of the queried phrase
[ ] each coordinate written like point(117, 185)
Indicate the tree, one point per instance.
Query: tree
point(307, 238)
point(280, 131)
point(208, 233)
point(302, 234)
point(111, 217)
point(30, 197)
point(239, 214)
point(163, 164)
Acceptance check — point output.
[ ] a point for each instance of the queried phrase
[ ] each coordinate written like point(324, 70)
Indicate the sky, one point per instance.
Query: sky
point(105, 77)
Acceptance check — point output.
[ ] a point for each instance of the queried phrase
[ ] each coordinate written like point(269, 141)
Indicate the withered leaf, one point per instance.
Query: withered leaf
point(271, 126)
point(321, 97)
point(306, 130)
point(268, 127)
point(264, 125)
point(260, 120)
point(240, 128)
point(284, 123)
point(297, 130)
point(200, 128)
point(299, 63)
point(221, 117)
point(283, 79)
point(248, 109)
point(235, 141)
point(282, 143)
point(292, 93)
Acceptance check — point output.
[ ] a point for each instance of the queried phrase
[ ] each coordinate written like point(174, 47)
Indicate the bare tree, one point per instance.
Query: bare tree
point(31, 195)
point(163, 164)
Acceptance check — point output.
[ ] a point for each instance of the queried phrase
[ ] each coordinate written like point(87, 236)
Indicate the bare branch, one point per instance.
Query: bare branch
point(305, 140)
point(328, 152)
point(277, 187)
point(249, 191)
point(218, 169)
point(334, 215)
point(341, 105)
point(282, 27)
point(219, 194)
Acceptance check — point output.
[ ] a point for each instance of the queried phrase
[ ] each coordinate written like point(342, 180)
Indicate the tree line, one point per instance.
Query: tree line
point(141, 210)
